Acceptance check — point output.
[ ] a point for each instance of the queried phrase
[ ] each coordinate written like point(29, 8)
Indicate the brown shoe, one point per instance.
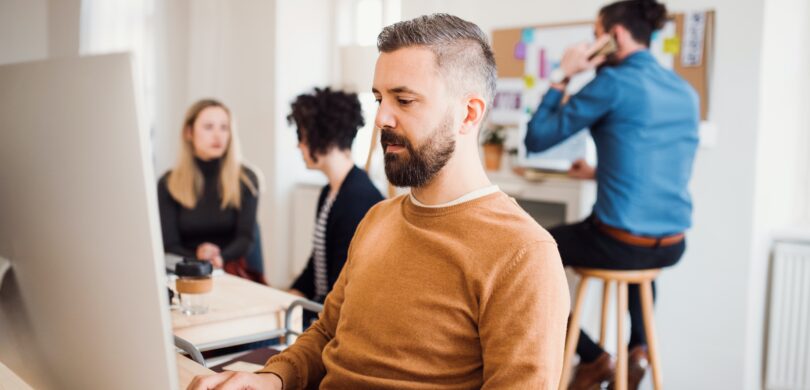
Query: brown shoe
point(589, 376)
point(636, 368)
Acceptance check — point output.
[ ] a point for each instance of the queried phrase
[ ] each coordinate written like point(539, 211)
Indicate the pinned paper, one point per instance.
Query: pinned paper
point(520, 51)
point(672, 45)
point(694, 28)
point(528, 81)
point(543, 71)
point(527, 35)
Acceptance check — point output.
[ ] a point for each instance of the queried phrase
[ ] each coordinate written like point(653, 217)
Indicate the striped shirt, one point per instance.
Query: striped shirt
point(319, 250)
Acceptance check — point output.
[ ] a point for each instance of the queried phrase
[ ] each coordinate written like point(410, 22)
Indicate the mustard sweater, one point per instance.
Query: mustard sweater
point(461, 297)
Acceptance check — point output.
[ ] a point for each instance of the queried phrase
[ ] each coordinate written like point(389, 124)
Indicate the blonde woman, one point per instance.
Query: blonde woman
point(208, 200)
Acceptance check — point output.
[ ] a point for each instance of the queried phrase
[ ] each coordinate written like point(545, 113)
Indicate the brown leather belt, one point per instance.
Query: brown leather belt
point(642, 241)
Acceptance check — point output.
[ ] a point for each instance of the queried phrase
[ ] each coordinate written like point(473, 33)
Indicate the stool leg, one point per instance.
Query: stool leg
point(573, 333)
point(649, 329)
point(605, 302)
point(621, 348)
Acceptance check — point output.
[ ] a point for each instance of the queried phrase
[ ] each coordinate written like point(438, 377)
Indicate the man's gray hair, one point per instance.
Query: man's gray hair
point(462, 50)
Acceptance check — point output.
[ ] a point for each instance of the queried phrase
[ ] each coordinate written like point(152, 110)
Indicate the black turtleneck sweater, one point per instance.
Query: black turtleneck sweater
point(230, 229)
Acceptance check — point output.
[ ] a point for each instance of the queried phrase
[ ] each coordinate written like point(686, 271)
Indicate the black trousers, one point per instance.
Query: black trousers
point(584, 245)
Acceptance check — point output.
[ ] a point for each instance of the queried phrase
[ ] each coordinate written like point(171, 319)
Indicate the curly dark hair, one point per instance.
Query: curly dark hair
point(326, 119)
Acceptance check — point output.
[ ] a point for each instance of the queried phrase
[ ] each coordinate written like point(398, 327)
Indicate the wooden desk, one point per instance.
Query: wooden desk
point(239, 312)
point(187, 369)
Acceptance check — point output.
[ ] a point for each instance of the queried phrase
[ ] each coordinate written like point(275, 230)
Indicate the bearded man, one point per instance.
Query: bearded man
point(452, 286)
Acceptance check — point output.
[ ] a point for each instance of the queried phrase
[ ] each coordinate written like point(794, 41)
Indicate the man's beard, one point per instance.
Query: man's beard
point(418, 166)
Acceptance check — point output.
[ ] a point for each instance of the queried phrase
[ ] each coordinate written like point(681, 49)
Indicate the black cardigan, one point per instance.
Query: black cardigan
point(356, 196)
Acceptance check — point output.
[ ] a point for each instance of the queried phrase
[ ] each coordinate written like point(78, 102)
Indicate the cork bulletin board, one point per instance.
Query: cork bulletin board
point(684, 45)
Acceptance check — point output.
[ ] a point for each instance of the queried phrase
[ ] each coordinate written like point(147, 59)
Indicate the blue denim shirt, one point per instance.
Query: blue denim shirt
point(644, 120)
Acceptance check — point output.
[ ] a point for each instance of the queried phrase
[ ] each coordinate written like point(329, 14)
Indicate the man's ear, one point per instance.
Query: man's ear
point(475, 109)
point(621, 35)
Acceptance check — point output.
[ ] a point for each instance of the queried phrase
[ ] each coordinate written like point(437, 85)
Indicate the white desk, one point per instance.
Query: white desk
point(239, 312)
point(578, 196)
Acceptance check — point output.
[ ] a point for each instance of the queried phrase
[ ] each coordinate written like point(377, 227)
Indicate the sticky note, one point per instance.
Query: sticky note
point(520, 51)
point(528, 81)
point(672, 45)
point(527, 35)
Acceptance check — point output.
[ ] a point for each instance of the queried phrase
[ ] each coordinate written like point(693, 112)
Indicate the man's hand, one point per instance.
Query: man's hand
point(230, 380)
point(580, 169)
point(575, 58)
point(210, 252)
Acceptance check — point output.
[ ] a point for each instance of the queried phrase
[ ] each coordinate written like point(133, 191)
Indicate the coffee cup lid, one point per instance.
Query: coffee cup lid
point(193, 268)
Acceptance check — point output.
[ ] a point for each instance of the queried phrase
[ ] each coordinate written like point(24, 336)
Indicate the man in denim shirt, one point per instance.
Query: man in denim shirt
point(644, 121)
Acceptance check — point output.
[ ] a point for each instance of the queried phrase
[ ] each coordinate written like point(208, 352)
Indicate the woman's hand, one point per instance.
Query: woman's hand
point(230, 380)
point(210, 252)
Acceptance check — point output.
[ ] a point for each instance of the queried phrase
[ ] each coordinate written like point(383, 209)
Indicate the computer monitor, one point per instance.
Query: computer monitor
point(84, 305)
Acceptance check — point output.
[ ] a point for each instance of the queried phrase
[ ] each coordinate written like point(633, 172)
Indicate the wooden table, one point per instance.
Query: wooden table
point(187, 369)
point(239, 312)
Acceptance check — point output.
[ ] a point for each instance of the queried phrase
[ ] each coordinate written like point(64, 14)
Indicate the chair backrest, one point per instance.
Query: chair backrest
point(288, 316)
point(255, 258)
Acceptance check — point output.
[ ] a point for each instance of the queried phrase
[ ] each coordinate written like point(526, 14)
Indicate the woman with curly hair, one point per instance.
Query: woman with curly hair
point(327, 122)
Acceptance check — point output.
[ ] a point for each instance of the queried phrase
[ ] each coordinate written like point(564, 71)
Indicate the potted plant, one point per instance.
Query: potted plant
point(493, 139)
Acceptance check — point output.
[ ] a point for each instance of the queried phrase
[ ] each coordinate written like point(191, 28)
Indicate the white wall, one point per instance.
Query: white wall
point(305, 58)
point(171, 80)
point(23, 30)
point(781, 189)
point(704, 312)
point(63, 27)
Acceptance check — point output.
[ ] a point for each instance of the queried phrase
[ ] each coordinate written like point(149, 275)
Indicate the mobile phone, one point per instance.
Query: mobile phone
point(608, 48)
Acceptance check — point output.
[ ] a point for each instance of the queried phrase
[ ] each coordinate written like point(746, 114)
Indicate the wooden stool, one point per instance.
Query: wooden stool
point(644, 279)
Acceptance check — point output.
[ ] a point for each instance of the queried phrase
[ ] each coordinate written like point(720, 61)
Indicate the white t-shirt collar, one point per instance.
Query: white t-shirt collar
point(472, 195)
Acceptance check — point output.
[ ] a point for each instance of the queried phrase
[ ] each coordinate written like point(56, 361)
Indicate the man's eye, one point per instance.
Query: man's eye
point(378, 100)
point(404, 102)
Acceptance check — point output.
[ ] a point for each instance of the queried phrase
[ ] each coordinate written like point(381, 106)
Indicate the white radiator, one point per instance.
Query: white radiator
point(788, 359)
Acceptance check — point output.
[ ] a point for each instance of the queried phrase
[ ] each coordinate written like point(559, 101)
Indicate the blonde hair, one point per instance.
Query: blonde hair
point(185, 181)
